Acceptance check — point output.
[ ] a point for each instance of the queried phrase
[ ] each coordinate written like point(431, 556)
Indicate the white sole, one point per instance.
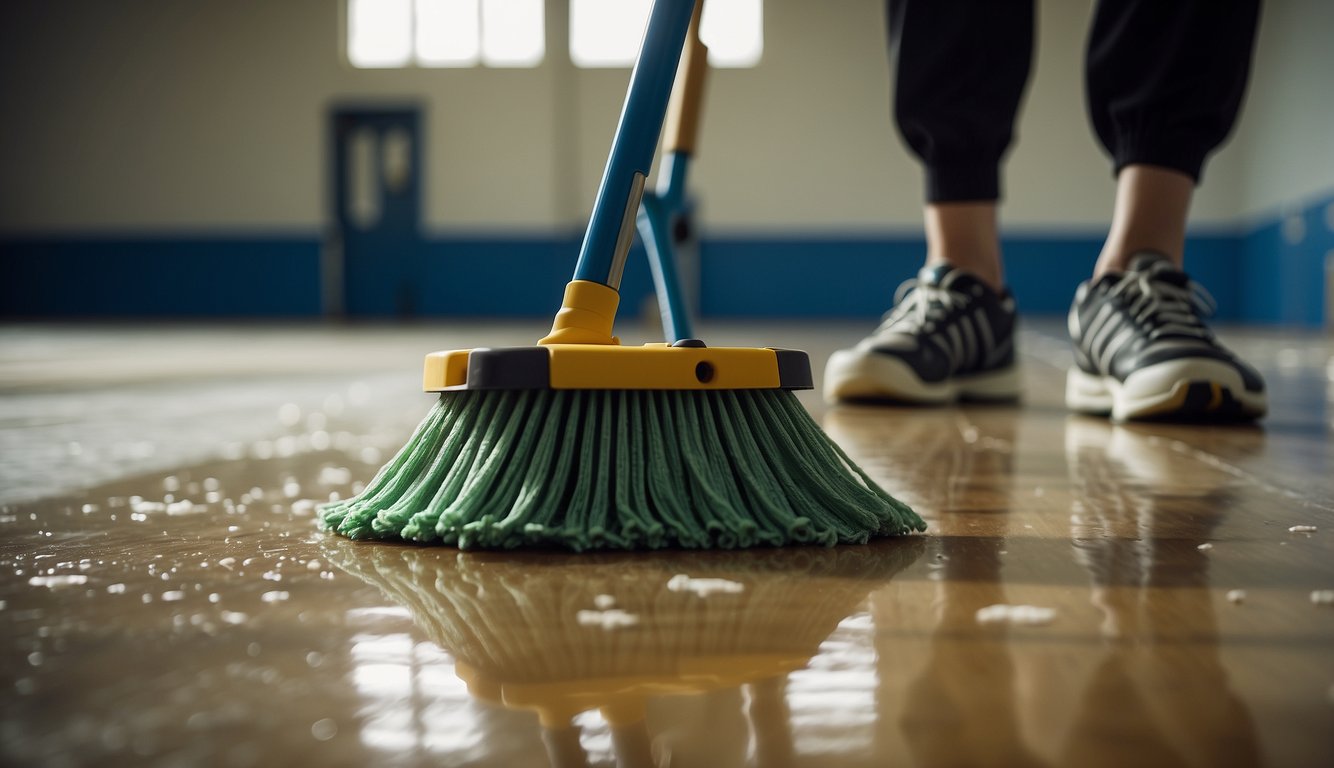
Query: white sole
point(1176, 388)
point(852, 376)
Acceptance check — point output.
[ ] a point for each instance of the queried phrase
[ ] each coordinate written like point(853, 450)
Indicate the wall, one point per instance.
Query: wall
point(161, 115)
point(153, 119)
point(1286, 143)
point(1286, 135)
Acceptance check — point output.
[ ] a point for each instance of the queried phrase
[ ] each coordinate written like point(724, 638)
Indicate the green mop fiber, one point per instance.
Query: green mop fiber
point(620, 469)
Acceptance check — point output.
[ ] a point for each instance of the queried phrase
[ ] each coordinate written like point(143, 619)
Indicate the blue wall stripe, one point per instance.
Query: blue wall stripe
point(134, 277)
point(481, 276)
point(1257, 275)
point(1285, 280)
point(803, 276)
point(857, 278)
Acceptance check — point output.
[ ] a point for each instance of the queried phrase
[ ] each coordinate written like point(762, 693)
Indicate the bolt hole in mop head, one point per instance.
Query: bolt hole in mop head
point(583, 444)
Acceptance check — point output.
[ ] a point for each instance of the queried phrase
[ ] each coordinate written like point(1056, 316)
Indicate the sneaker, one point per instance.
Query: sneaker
point(948, 337)
point(1142, 350)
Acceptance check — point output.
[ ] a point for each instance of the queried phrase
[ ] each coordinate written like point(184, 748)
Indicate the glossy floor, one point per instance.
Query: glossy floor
point(166, 599)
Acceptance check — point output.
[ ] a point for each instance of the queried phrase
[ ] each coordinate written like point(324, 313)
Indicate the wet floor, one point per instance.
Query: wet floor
point(1087, 594)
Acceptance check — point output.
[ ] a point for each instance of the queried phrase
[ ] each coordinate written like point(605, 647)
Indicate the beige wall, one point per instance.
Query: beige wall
point(1286, 134)
point(160, 114)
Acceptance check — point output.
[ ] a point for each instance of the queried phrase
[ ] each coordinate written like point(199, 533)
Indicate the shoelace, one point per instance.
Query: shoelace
point(916, 305)
point(1167, 309)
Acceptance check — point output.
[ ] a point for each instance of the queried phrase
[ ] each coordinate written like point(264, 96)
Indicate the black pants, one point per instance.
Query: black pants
point(1164, 80)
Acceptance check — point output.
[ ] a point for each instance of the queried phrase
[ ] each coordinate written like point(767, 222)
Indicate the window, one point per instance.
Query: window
point(379, 33)
point(607, 33)
point(511, 33)
point(445, 33)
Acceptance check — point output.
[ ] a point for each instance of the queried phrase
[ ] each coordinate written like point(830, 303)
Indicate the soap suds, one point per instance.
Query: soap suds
point(704, 587)
point(611, 619)
point(185, 507)
point(52, 582)
point(1028, 615)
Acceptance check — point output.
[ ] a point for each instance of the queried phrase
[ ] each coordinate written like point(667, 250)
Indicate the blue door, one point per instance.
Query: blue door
point(377, 209)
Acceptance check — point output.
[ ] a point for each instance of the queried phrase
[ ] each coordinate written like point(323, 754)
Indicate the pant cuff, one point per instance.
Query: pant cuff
point(976, 182)
point(1186, 157)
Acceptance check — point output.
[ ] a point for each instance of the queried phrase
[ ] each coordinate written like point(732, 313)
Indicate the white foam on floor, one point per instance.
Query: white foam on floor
point(610, 619)
point(53, 582)
point(1027, 615)
point(704, 587)
point(185, 507)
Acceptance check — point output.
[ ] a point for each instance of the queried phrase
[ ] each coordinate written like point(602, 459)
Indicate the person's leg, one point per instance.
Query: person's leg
point(1152, 203)
point(959, 74)
point(1164, 83)
point(966, 235)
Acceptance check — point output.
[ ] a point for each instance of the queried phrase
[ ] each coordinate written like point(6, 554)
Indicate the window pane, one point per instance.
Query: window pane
point(363, 186)
point(513, 33)
point(448, 33)
point(379, 33)
point(734, 32)
point(606, 33)
point(396, 160)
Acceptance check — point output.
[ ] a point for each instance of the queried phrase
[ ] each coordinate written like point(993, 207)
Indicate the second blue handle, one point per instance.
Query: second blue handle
point(636, 139)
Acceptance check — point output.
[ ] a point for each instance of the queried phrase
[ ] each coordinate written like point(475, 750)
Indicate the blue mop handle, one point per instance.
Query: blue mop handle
point(612, 228)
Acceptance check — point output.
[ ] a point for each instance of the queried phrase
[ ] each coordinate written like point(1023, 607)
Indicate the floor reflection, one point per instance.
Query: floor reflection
point(961, 708)
point(935, 459)
point(653, 659)
point(1142, 511)
point(1142, 516)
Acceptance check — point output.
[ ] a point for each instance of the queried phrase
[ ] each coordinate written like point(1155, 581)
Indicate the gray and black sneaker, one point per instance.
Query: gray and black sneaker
point(948, 337)
point(1142, 350)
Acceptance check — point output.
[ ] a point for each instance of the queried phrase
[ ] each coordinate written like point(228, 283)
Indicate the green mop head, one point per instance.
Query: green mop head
point(597, 469)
